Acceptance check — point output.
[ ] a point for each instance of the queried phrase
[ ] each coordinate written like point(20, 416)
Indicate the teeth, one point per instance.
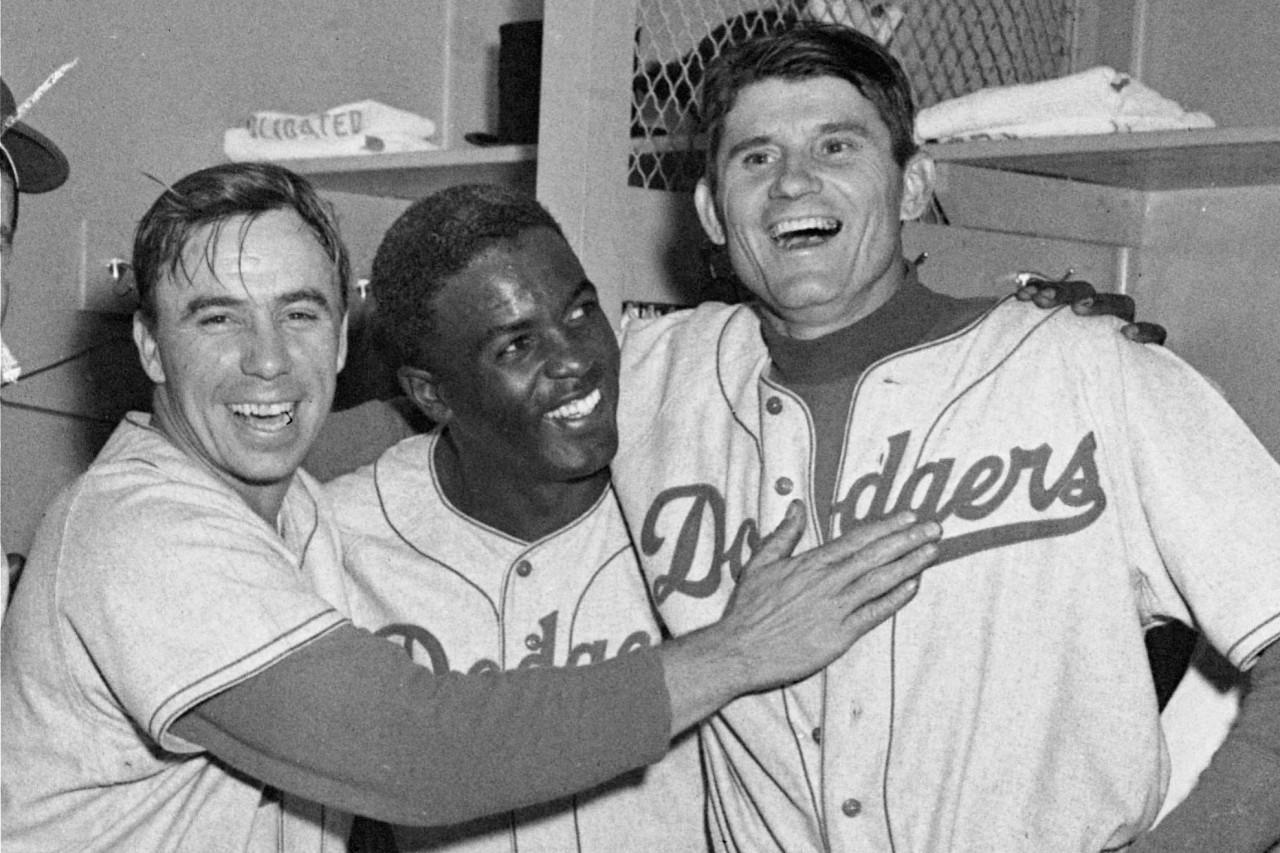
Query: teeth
point(577, 408)
point(787, 227)
point(264, 410)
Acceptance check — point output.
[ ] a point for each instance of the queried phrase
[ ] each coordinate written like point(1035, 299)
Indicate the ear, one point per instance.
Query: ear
point(421, 387)
point(148, 349)
point(707, 213)
point(917, 186)
point(342, 341)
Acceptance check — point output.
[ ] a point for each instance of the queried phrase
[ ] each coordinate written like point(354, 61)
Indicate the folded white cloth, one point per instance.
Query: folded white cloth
point(10, 370)
point(1098, 100)
point(238, 145)
point(363, 127)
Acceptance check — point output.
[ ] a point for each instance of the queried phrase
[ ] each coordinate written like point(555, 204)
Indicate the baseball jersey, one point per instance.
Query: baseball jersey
point(150, 587)
point(1086, 487)
point(463, 597)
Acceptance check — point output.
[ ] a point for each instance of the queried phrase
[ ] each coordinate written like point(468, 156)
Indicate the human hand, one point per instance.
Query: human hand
point(790, 616)
point(1086, 301)
point(793, 615)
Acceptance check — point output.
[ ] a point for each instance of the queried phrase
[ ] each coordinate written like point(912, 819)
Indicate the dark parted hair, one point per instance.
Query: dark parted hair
point(435, 238)
point(214, 195)
point(804, 51)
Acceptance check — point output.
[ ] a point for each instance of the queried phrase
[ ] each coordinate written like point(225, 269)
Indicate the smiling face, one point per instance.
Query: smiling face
point(524, 366)
point(245, 347)
point(810, 200)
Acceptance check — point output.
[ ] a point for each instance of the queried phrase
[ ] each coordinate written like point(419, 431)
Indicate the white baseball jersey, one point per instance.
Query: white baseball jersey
point(152, 586)
point(1086, 486)
point(461, 596)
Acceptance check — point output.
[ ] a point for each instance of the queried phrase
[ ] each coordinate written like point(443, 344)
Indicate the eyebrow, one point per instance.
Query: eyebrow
point(585, 287)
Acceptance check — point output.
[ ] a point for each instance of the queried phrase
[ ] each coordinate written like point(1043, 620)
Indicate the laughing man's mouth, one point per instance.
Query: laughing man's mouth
point(804, 231)
point(579, 408)
point(265, 414)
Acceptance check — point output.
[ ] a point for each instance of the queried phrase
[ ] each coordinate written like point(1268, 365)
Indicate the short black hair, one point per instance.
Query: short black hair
point(435, 238)
point(801, 52)
point(215, 195)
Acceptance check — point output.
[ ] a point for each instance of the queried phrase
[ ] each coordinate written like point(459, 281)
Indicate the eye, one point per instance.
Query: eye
point(515, 347)
point(213, 320)
point(756, 158)
point(582, 311)
point(302, 315)
point(839, 145)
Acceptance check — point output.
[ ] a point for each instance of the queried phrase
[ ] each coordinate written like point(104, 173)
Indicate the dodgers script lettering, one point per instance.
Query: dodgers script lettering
point(1038, 505)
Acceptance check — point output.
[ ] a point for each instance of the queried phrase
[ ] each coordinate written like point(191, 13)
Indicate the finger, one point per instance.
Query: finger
point(1026, 291)
point(1033, 290)
point(877, 580)
point(1106, 304)
point(877, 552)
point(784, 538)
point(1145, 333)
point(874, 612)
point(1049, 294)
point(863, 534)
point(1070, 292)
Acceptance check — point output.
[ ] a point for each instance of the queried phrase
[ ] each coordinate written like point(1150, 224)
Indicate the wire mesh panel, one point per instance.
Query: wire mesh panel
point(947, 47)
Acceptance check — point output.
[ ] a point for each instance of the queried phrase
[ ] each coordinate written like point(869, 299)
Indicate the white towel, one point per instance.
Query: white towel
point(363, 127)
point(238, 145)
point(1098, 100)
point(10, 370)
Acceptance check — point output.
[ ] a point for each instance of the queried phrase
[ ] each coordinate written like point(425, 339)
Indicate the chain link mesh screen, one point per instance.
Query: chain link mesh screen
point(948, 48)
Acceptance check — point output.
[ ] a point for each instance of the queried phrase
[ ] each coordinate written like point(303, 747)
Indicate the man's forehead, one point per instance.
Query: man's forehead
point(255, 253)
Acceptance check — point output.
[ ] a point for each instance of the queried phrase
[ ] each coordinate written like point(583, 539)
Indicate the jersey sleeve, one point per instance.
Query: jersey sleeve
point(176, 592)
point(1210, 493)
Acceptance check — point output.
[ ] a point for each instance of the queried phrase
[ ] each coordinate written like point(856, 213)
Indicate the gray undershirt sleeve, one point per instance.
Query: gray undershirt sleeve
point(350, 721)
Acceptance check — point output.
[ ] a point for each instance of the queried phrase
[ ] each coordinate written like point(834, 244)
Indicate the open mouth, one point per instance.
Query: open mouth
point(579, 408)
point(265, 415)
point(803, 232)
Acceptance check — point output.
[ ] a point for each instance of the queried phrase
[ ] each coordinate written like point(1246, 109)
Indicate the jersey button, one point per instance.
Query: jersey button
point(783, 486)
point(816, 734)
point(851, 807)
point(524, 568)
point(773, 406)
point(533, 642)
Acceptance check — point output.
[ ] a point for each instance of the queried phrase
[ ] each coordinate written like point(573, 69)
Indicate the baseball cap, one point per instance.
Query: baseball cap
point(39, 164)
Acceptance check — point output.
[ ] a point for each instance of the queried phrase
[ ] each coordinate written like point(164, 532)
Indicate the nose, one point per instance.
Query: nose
point(567, 356)
point(266, 352)
point(795, 177)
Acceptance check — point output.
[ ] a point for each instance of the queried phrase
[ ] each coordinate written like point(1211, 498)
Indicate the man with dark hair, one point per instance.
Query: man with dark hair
point(494, 542)
point(1011, 707)
point(171, 662)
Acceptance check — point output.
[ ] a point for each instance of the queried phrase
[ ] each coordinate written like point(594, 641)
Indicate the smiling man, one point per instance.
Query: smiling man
point(174, 657)
point(1088, 488)
point(494, 542)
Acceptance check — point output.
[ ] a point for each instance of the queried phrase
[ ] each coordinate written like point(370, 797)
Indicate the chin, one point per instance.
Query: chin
point(584, 469)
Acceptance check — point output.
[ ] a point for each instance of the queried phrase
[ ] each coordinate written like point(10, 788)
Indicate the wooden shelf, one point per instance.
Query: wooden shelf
point(1152, 161)
point(416, 174)
point(1158, 160)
